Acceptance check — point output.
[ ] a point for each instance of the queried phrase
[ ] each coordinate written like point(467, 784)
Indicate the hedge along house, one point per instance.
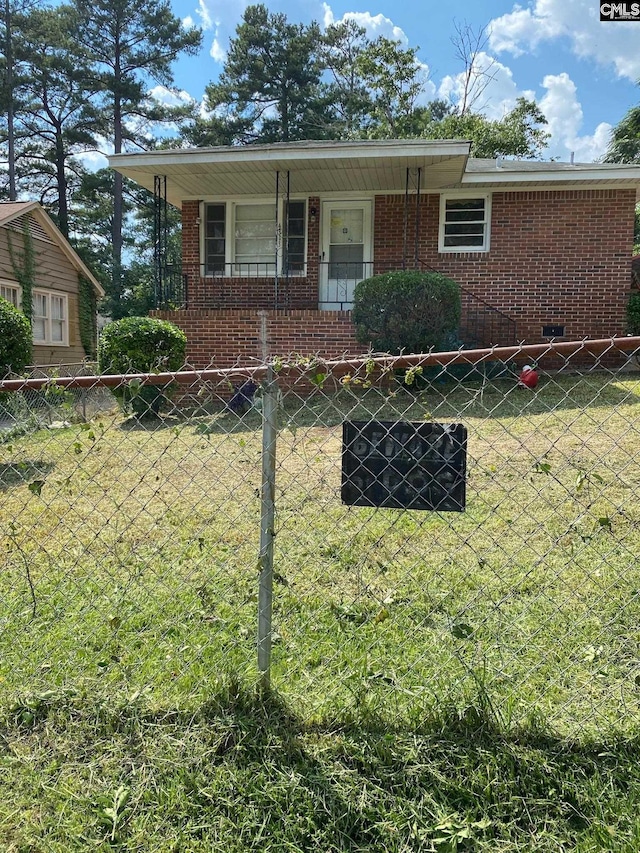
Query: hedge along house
point(37, 261)
point(277, 236)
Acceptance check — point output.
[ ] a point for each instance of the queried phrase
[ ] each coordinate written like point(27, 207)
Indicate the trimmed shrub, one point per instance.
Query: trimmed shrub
point(633, 313)
point(15, 339)
point(142, 345)
point(409, 311)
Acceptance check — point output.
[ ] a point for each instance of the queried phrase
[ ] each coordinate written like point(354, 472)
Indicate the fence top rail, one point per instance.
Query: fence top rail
point(337, 366)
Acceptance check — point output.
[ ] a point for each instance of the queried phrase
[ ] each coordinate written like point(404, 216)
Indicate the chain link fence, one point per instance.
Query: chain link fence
point(144, 553)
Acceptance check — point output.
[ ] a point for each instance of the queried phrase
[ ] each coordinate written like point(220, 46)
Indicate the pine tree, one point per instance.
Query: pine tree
point(394, 79)
point(269, 89)
point(342, 47)
point(624, 146)
point(131, 44)
point(56, 117)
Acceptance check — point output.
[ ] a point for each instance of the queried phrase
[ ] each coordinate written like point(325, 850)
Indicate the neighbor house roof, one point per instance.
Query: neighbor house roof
point(10, 211)
point(355, 166)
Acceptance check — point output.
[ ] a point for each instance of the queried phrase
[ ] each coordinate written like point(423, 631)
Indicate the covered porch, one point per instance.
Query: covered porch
point(294, 227)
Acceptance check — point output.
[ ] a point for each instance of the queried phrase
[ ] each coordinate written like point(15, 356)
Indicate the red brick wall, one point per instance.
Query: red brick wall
point(556, 258)
point(225, 338)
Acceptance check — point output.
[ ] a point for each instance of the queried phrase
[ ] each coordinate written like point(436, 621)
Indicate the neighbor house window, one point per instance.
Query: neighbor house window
point(249, 240)
point(10, 292)
point(50, 318)
point(464, 223)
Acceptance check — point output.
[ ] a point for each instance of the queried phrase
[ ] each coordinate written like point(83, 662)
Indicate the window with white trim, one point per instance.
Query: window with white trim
point(215, 235)
point(11, 292)
point(254, 246)
point(247, 239)
point(464, 223)
point(50, 318)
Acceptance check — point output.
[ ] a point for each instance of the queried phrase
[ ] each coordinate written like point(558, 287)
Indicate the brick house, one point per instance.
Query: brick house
point(276, 236)
point(60, 278)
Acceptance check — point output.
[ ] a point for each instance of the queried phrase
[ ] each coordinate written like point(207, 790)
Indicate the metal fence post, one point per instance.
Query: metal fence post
point(267, 519)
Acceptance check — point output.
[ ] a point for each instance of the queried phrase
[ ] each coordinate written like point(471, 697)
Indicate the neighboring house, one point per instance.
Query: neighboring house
point(59, 283)
point(277, 236)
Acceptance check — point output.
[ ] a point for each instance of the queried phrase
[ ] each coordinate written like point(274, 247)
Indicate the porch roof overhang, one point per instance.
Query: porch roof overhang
point(314, 167)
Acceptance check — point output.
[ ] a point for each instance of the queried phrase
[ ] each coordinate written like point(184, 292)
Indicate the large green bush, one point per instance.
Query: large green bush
point(15, 339)
point(142, 345)
point(411, 311)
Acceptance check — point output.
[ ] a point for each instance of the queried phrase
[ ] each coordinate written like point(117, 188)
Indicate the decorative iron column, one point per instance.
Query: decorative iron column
point(411, 190)
point(160, 239)
point(281, 275)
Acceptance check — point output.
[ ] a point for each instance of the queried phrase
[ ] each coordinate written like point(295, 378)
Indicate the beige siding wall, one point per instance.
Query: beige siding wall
point(55, 272)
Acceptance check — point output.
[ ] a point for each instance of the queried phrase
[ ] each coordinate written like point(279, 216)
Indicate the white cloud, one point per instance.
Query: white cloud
point(206, 19)
point(221, 19)
point(217, 52)
point(188, 22)
point(327, 15)
point(93, 160)
point(375, 25)
point(510, 31)
point(576, 20)
point(559, 104)
point(378, 25)
point(169, 98)
point(495, 87)
point(564, 115)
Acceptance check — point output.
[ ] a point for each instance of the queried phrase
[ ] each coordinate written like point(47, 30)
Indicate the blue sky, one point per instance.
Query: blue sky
point(582, 72)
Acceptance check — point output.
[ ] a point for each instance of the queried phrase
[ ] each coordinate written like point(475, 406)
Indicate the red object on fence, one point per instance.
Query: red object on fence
point(528, 377)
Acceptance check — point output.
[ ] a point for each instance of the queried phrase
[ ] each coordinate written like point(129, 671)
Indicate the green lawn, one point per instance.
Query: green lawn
point(440, 681)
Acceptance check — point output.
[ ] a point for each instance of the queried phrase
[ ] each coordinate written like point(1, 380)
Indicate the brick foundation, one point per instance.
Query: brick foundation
point(225, 338)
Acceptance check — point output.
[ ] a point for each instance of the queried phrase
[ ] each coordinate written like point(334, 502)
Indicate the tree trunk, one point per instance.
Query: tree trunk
point(10, 126)
point(61, 179)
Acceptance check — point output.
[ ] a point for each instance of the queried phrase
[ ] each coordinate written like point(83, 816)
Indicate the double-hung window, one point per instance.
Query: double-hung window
point(295, 238)
point(11, 292)
point(248, 239)
point(50, 318)
point(254, 239)
point(464, 223)
point(215, 239)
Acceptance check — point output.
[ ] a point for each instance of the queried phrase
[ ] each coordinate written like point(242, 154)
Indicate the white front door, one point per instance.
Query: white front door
point(346, 252)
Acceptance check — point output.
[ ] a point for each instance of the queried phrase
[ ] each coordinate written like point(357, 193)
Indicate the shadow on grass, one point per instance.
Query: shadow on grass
point(249, 766)
point(444, 399)
point(27, 471)
point(150, 423)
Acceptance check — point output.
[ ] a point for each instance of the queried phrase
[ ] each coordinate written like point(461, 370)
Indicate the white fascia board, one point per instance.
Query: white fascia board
point(595, 175)
point(337, 151)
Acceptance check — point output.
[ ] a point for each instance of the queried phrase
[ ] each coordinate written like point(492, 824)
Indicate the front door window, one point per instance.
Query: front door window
point(346, 252)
